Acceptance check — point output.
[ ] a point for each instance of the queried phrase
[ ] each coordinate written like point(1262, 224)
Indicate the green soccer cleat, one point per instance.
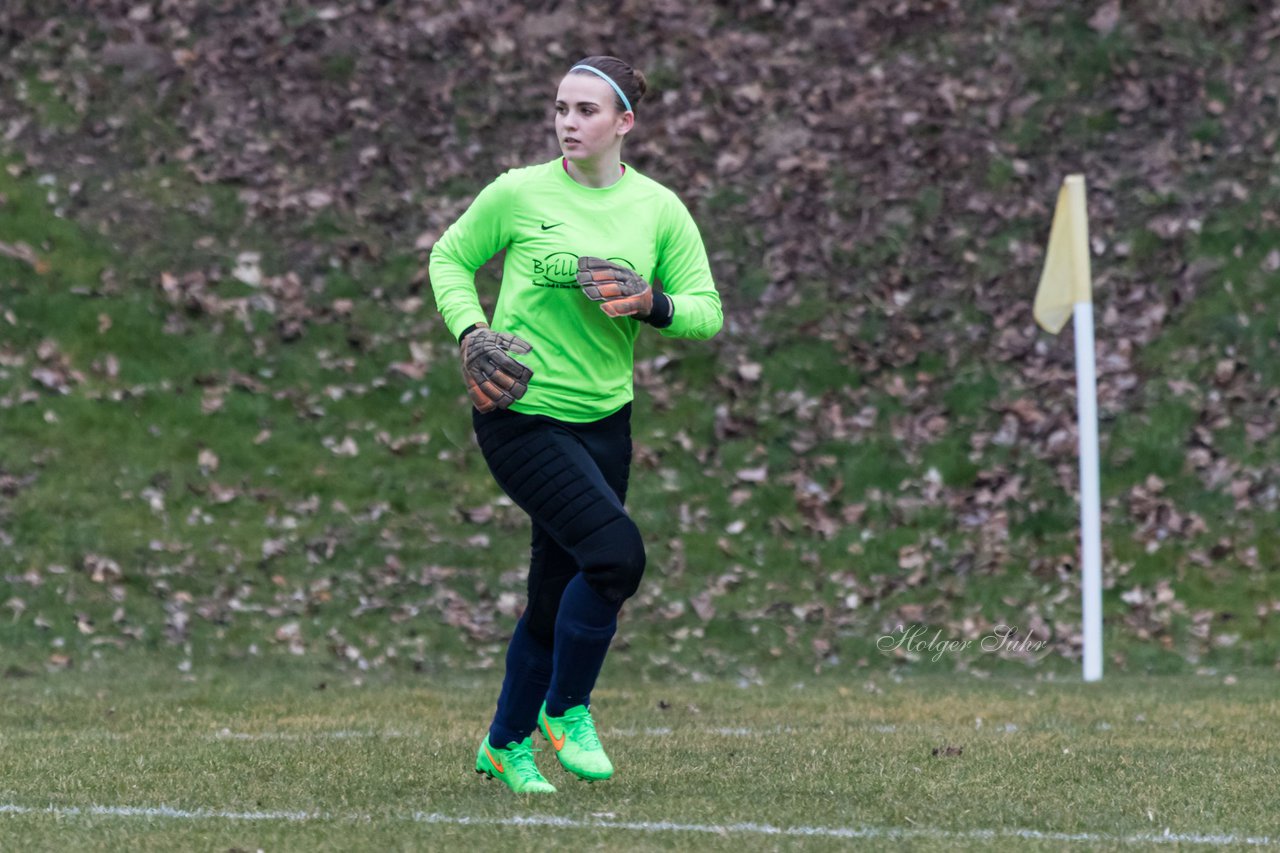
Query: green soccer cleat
point(574, 739)
point(513, 765)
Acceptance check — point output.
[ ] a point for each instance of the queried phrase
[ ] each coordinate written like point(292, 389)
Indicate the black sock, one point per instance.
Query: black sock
point(523, 688)
point(585, 625)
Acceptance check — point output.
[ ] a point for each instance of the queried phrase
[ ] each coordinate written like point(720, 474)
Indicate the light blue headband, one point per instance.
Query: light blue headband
point(606, 78)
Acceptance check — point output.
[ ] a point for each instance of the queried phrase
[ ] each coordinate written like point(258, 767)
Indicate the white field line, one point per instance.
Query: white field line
point(227, 734)
point(859, 832)
point(649, 731)
point(357, 734)
point(361, 734)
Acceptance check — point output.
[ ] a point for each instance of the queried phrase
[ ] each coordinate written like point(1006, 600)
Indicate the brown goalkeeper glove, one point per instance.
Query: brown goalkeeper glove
point(494, 379)
point(621, 291)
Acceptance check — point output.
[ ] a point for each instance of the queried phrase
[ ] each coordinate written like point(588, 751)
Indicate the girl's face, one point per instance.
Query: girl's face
point(588, 122)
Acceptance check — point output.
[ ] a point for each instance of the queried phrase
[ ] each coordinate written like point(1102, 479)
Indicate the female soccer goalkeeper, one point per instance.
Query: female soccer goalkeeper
point(551, 384)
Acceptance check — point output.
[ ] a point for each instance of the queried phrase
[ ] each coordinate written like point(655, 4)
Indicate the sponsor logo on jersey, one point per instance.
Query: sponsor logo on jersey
point(560, 269)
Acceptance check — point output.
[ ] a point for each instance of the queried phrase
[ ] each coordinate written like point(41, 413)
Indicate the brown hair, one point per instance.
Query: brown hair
point(629, 80)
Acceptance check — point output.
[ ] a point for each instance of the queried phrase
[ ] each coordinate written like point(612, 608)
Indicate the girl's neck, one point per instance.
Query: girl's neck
point(596, 174)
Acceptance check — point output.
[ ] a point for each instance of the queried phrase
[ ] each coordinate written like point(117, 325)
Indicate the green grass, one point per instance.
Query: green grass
point(400, 601)
point(54, 111)
point(361, 756)
point(112, 467)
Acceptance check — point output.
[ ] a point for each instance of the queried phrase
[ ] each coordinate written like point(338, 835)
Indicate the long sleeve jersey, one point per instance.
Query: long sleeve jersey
point(582, 359)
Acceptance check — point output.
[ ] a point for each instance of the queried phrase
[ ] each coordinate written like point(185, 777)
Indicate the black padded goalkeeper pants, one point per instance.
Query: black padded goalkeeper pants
point(571, 479)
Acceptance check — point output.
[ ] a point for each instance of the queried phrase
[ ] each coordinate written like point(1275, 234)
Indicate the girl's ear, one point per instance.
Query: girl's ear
point(627, 122)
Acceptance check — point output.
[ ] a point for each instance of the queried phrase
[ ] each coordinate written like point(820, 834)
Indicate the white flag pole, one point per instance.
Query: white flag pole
point(1087, 419)
point(1090, 499)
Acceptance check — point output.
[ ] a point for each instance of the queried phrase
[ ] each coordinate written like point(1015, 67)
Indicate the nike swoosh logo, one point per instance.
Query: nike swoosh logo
point(546, 227)
point(558, 743)
point(497, 765)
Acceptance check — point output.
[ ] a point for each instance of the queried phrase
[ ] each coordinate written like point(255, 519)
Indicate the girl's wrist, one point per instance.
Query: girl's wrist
point(662, 312)
point(469, 329)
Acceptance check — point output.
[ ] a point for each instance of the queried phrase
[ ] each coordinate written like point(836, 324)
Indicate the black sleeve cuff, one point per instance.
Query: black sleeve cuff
point(663, 311)
point(468, 330)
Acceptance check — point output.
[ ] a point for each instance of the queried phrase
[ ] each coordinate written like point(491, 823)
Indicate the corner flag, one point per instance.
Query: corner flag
point(1066, 280)
point(1066, 291)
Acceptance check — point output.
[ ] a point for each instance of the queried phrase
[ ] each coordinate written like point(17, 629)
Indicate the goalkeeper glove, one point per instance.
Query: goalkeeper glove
point(494, 379)
point(622, 292)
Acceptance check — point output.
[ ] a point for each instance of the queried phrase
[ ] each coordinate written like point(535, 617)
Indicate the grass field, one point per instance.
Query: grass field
point(208, 457)
point(256, 581)
point(303, 760)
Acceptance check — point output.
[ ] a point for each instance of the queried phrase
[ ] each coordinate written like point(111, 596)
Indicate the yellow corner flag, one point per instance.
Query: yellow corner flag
point(1066, 280)
point(1066, 291)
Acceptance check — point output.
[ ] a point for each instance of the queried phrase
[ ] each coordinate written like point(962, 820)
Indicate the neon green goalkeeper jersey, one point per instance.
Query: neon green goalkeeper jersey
point(582, 358)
